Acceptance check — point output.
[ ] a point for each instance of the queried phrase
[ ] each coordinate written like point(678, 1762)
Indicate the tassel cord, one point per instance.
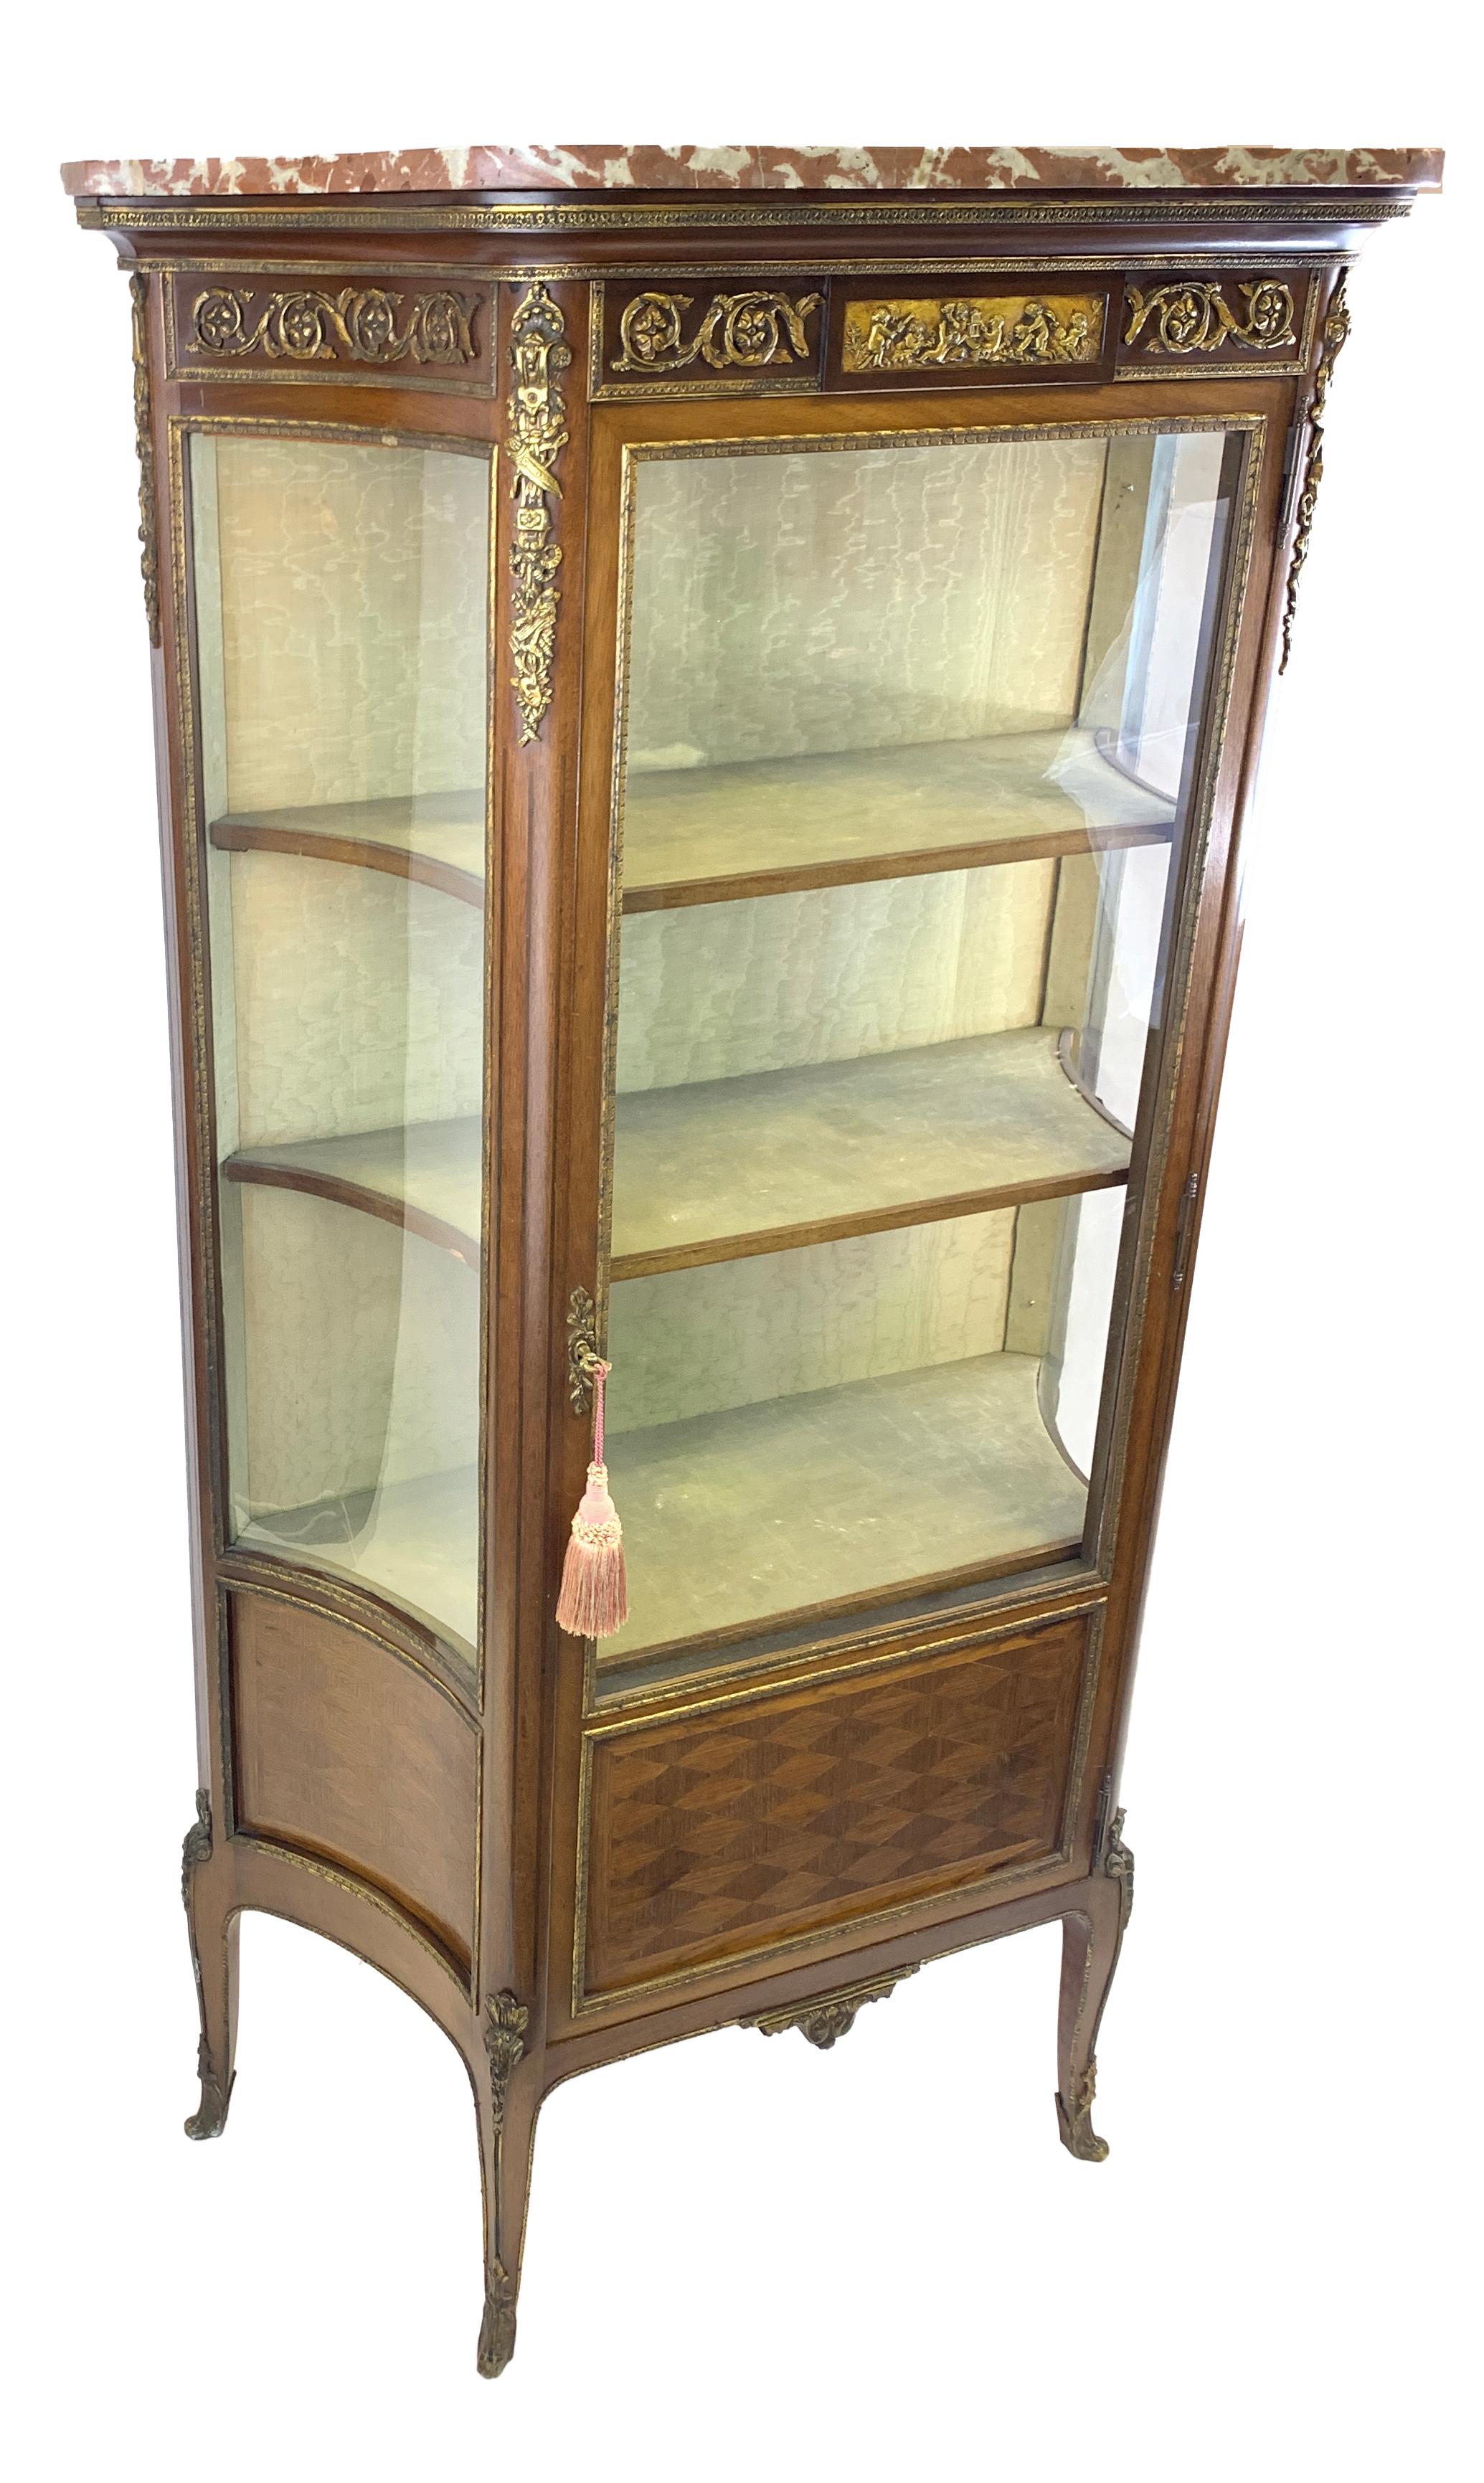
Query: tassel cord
point(594, 1598)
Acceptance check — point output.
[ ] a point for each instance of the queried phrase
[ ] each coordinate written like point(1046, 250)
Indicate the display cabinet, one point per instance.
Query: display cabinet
point(706, 700)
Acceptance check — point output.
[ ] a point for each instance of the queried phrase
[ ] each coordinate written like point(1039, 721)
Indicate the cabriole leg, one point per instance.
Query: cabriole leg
point(508, 2108)
point(214, 1950)
point(1090, 1940)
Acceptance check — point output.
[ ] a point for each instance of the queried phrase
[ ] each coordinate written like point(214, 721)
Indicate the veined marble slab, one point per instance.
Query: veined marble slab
point(636, 167)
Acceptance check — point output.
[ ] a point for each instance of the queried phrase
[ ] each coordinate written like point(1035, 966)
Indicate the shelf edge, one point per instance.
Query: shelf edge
point(240, 835)
point(670, 895)
point(624, 1266)
point(358, 1194)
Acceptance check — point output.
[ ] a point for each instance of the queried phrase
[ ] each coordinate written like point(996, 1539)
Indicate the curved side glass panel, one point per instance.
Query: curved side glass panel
point(910, 743)
point(340, 596)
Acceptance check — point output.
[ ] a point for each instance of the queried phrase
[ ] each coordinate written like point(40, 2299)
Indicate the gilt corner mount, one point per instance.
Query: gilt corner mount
point(537, 436)
point(1336, 327)
point(144, 443)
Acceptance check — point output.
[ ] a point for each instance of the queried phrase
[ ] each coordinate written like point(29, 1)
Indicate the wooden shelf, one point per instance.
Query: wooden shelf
point(760, 1513)
point(425, 1177)
point(698, 835)
point(417, 1542)
point(436, 838)
point(740, 1165)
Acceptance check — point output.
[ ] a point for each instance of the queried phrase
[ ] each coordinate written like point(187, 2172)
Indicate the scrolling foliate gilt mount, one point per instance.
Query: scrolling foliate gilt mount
point(362, 324)
point(739, 332)
point(537, 435)
point(823, 2022)
point(1196, 317)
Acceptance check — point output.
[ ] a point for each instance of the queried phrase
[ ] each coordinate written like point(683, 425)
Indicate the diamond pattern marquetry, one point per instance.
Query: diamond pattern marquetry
point(714, 1832)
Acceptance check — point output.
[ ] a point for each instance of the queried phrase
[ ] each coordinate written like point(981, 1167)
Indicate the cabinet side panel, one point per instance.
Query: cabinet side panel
point(346, 1751)
point(715, 1832)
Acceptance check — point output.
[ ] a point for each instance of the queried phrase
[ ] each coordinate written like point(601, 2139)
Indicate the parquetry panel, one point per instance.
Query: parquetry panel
point(711, 1833)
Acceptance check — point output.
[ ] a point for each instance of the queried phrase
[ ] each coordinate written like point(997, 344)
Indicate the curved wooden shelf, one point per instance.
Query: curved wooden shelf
point(435, 837)
point(738, 1166)
point(831, 820)
point(761, 1514)
point(416, 1542)
point(425, 1177)
point(704, 836)
point(1094, 1103)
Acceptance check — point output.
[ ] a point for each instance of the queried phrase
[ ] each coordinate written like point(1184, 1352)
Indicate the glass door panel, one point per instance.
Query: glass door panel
point(341, 590)
point(909, 742)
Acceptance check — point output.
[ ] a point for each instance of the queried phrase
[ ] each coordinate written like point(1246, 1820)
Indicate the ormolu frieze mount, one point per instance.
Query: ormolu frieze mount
point(361, 324)
point(1198, 318)
point(976, 332)
point(738, 331)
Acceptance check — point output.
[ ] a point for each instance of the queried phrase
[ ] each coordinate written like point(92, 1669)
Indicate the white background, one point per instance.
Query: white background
point(750, 2258)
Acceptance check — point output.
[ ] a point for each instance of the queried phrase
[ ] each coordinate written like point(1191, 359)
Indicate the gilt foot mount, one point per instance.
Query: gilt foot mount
point(496, 2328)
point(1075, 2118)
point(209, 2119)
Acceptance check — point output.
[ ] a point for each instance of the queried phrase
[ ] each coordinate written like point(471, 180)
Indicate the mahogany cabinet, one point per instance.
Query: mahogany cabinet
point(706, 701)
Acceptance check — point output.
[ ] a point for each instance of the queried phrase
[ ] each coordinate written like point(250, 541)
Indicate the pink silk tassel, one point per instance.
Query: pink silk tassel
point(594, 1598)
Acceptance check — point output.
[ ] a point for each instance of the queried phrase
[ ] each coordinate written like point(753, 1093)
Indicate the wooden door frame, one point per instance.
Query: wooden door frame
point(1199, 977)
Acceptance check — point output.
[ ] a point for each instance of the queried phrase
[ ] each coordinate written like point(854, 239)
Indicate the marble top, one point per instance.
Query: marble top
point(761, 168)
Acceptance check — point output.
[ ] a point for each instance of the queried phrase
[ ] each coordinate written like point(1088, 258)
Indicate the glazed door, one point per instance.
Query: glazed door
point(911, 753)
point(340, 591)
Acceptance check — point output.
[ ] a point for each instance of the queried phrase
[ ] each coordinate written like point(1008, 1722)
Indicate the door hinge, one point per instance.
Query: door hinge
point(1287, 486)
point(1182, 1230)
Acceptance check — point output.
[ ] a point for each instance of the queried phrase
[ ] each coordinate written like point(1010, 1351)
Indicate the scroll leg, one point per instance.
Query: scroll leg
point(212, 1925)
point(507, 2106)
point(1091, 1941)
